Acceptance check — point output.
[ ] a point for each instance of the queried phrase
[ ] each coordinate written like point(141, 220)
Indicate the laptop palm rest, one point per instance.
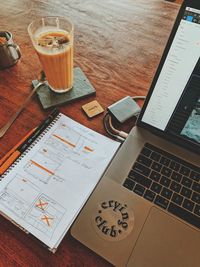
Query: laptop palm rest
point(111, 221)
point(165, 241)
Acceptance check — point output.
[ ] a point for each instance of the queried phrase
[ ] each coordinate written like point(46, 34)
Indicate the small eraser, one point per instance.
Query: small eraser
point(92, 108)
point(124, 109)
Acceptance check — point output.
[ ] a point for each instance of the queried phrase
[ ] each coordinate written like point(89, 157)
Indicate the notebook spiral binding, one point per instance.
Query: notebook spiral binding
point(31, 146)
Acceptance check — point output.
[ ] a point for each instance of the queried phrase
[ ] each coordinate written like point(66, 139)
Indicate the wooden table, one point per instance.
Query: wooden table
point(118, 45)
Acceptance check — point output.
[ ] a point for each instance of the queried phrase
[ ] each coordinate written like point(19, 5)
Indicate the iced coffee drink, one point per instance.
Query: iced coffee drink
point(52, 38)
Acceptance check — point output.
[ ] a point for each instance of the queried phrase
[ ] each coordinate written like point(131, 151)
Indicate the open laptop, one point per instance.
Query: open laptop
point(145, 211)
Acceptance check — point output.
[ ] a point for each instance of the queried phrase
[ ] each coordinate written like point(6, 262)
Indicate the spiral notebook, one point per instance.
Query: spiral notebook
point(44, 190)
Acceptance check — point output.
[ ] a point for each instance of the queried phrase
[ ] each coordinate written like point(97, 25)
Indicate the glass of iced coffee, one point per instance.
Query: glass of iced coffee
point(52, 38)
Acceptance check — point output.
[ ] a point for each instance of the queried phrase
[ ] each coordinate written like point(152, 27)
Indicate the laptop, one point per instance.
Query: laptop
point(145, 211)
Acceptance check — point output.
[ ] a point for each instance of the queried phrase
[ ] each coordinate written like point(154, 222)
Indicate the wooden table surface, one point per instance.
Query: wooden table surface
point(118, 45)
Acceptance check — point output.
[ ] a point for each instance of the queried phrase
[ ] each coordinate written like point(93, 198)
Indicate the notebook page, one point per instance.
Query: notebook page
point(48, 186)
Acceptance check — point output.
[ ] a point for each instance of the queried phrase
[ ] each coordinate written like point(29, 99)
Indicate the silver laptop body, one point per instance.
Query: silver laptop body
point(145, 211)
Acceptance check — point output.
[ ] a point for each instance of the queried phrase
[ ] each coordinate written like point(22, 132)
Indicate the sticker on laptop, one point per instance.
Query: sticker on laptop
point(113, 220)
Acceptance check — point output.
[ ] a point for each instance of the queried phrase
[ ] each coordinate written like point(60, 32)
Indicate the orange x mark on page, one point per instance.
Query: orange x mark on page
point(47, 220)
point(41, 204)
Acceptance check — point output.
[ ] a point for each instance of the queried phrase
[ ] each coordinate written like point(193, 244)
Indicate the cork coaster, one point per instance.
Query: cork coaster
point(92, 108)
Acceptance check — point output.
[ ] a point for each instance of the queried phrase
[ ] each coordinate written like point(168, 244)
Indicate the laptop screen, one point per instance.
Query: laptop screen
point(174, 104)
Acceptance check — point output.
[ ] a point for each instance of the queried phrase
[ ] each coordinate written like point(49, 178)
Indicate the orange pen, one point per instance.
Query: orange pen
point(15, 147)
point(8, 162)
point(15, 152)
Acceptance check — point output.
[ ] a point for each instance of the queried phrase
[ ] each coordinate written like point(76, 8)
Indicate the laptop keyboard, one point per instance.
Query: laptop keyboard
point(167, 181)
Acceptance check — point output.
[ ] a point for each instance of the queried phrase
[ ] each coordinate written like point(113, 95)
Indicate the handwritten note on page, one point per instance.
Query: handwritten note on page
point(48, 186)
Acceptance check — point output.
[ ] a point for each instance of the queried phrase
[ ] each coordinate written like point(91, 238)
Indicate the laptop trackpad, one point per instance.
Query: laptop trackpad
point(167, 242)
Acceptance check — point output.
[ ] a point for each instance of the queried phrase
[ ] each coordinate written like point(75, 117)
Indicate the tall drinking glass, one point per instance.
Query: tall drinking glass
point(52, 38)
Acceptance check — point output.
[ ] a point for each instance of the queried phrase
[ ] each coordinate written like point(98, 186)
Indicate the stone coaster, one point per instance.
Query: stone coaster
point(82, 88)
